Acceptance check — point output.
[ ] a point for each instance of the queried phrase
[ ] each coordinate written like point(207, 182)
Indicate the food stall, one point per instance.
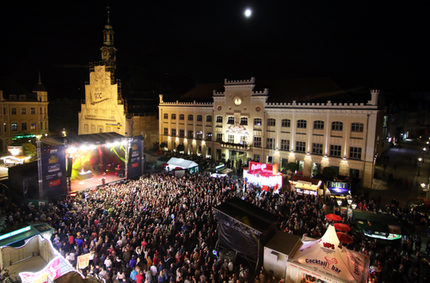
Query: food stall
point(306, 185)
point(264, 175)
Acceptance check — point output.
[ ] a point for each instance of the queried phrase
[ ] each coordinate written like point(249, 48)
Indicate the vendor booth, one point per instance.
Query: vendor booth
point(338, 189)
point(264, 175)
point(180, 166)
point(277, 252)
point(377, 225)
point(323, 260)
point(35, 261)
point(306, 185)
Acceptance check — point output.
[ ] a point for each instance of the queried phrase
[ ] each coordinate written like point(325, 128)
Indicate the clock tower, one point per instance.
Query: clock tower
point(108, 50)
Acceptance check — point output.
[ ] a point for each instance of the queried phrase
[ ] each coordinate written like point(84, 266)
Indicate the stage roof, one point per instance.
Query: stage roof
point(99, 138)
point(248, 214)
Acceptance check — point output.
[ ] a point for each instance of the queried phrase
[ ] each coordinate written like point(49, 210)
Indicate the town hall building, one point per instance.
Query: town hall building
point(241, 124)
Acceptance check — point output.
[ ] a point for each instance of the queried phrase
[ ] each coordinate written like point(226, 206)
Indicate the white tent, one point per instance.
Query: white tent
point(175, 163)
point(325, 261)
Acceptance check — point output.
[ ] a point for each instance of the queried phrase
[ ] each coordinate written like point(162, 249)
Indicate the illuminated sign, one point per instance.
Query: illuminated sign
point(328, 264)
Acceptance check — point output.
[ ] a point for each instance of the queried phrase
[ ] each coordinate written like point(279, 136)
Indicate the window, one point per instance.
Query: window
point(269, 159)
point(173, 117)
point(285, 145)
point(181, 133)
point(317, 148)
point(318, 125)
point(23, 111)
point(209, 118)
point(355, 152)
point(219, 119)
point(199, 118)
point(14, 127)
point(190, 134)
point(257, 141)
point(174, 132)
point(4, 110)
point(190, 117)
point(219, 137)
point(230, 120)
point(335, 150)
point(243, 140)
point(271, 122)
point(14, 111)
point(257, 157)
point(181, 117)
point(166, 116)
point(231, 138)
point(337, 126)
point(286, 123)
point(41, 125)
point(166, 131)
point(32, 110)
point(357, 127)
point(209, 136)
point(300, 146)
point(199, 135)
point(270, 143)
point(244, 121)
point(41, 112)
point(301, 124)
point(24, 126)
point(33, 127)
point(257, 122)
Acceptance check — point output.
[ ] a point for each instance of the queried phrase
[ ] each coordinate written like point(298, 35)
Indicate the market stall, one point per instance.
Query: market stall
point(322, 260)
point(180, 165)
point(306, 185)
point(264, 175)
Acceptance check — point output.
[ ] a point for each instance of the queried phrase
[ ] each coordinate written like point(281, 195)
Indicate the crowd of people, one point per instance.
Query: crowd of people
point(162, 229)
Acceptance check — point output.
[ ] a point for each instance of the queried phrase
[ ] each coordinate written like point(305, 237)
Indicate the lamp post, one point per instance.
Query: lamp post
point(419, 164)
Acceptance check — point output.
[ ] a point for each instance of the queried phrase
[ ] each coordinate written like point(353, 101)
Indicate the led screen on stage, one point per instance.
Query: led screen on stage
point(134, 169)
point(53, 170)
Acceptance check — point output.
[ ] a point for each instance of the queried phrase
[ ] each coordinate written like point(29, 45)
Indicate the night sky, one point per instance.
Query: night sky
point(355, 43)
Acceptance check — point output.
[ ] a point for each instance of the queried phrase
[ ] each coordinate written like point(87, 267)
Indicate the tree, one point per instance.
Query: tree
point(29, 149)
point(163, 145)
point(180, 147)
point(329, 173)
point(292, 166)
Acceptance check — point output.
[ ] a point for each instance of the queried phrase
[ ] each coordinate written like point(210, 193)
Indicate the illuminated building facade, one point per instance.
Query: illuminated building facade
point(23, 114)
point(240, 124)
point(104, 109)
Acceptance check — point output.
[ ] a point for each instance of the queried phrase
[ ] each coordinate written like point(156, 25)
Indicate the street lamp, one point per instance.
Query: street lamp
point(339, 202)
point(419, 164)
point(354, 206)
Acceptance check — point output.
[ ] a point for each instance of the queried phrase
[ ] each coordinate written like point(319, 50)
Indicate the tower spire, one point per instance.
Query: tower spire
point(108, 50)
point(108, 15)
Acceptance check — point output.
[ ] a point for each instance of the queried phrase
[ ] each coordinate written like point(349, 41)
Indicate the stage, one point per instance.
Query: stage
point(94, 181)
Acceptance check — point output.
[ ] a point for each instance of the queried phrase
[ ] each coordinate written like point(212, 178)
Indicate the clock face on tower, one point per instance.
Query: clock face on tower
point(237, 100)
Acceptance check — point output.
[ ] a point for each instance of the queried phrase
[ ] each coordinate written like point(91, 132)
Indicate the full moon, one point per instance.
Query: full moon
point(247, 13)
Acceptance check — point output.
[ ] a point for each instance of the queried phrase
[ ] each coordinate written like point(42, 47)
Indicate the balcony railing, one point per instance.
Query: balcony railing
point(236, 146)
